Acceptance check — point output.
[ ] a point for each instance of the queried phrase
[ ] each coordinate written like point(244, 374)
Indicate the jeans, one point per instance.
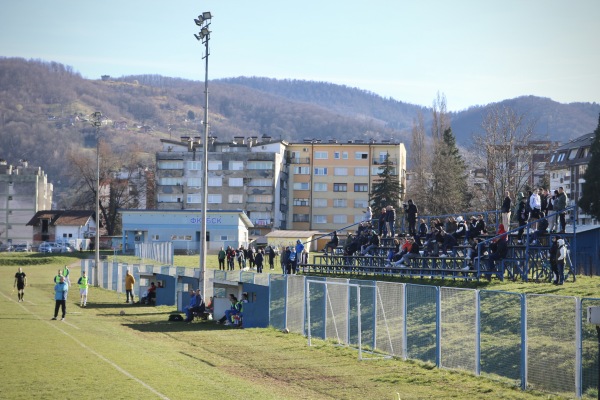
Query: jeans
point(60, 304)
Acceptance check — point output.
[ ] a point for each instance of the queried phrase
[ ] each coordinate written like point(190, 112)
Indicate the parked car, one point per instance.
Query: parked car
point(6, 247)
point(22, 248)
point(46, 247)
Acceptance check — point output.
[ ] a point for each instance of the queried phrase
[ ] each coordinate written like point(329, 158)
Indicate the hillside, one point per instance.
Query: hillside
point(45, 108)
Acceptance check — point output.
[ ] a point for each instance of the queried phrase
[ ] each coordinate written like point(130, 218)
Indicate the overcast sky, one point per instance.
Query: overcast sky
point(475, 52)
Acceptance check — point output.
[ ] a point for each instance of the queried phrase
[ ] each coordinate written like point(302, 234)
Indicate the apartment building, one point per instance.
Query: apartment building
point(247, 174)
point(330, 182)
point(24, 190)
point(567, 166)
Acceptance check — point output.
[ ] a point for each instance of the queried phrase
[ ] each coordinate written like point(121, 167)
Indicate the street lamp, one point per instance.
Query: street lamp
point(203, 21)
point(96, 122)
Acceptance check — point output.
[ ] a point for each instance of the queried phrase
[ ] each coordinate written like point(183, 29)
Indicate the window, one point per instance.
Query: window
point(268, 165)
point(361, 171)
point(382, 156)
point(236, 182)
point(321, 171)
point(320, 219)
point(215, 165)
point(336, 155)
point(301, 170)
point(194, 182)
point(344, 155)
point(319, 203)
point(340, 171)
point(340, 203)
point(223, 238)
point(561, 157)
point(361, 187)
point(170, 164)
point(552, 159)
point(572, 154)
point(236, 165)
point(170, 181)
point(169, 198)
point(215, 181)
point(320, 155)
point(261, 182)
point(194, 165)
point(361, 155)
point(361, 203)
point(235, 198)
point(260, 198)
point(320, 187)
point(300, 202)
point(194, 198)
point(340, 219)
point(301, 186)
point(215, 199)
point(340, 187)
point(300, 218)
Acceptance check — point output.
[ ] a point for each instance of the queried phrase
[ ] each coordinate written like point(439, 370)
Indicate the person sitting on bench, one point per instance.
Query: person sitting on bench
point(235, 309)
point(197, 307)
point(150, 295)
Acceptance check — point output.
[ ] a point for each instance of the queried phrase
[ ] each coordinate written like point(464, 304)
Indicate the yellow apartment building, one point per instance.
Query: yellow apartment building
point(329, 183)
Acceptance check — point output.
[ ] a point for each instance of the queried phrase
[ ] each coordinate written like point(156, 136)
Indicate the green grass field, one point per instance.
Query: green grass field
point(98, 353)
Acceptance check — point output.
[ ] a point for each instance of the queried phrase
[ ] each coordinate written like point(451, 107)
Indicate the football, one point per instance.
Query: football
point(122, 312)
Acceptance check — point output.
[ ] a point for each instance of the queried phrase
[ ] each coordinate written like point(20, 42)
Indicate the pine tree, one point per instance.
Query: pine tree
point(590, 200)
point(386, 189)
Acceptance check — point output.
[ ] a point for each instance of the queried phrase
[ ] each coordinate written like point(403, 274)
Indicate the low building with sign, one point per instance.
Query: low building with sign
point(182, 228)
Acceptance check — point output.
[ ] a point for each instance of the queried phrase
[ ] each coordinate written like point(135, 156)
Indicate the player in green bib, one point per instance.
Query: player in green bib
point(83, 289)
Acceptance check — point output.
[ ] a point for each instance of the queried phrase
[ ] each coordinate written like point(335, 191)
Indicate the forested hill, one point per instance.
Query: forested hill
point(44, 110)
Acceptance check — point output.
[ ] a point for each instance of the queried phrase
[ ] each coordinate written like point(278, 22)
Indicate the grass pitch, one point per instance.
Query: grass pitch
point(99, 354)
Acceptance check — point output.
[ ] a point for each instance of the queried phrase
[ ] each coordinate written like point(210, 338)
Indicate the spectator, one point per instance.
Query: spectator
point(241, 258)
point(449, 242)
point(542, 229)
point(368, 215)
point(551, 212)
point(535, 203)
point(198, 307)
point(544, 197)
point(258, 260)
point(522, 216)
point(412, 253)
point(390, 219)
point(292, 261)
point(61, 290)
point(477, 227)
point(373, 244)
point(382, 223)
point(299, 253)
point(150, 297)
point(561, 204)
point(451, 225)
point(553, 257)
point(499, 250)
point(285, 257)
point(231, 254)
point(271, 257)
point(411, 217)
point(560, 261)
point(461, 228)
point(236, 308)
point(250, 253)
point(332, 244)
point(422, 233)
point(221, 256)
point(129, 282)
point(506, 210)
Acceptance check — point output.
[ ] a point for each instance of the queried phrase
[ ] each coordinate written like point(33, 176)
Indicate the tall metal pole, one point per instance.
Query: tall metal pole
point(205, 37)
point(97, 122)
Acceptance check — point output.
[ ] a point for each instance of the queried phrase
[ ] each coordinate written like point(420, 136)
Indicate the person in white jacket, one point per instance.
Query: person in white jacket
point(562, 255)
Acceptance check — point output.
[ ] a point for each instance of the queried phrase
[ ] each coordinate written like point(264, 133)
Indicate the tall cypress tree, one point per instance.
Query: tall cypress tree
point(590, 200)
point(386, 189)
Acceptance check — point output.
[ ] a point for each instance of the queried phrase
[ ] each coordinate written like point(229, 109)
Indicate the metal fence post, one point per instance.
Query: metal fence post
point(477, 334)
point(523, 342)
point(438, 328)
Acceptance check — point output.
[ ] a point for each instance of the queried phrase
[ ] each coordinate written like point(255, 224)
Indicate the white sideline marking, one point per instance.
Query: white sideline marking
point(100, 356)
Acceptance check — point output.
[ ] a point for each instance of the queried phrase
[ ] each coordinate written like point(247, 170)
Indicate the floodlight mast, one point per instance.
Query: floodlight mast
point(203, 21)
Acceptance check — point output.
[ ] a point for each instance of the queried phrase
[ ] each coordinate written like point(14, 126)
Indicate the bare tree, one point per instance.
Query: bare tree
point(421, 167)
point(122, 184)
point(503, 149)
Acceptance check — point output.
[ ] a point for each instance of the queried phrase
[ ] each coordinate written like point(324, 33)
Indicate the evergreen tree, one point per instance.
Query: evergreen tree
point(386, 189)
point(590, 200)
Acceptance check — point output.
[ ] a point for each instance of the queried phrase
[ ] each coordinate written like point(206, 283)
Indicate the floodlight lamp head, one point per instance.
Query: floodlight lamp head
point(206, 15)
point(198, 37)
point(204, 32)
point(198, 21)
